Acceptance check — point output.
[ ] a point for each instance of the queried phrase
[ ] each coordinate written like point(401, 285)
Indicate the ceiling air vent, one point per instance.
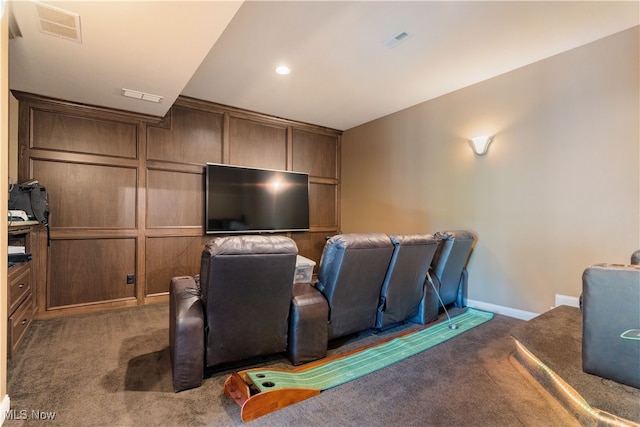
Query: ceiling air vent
point(394, 40)
point(59, 23)
point(141, 95)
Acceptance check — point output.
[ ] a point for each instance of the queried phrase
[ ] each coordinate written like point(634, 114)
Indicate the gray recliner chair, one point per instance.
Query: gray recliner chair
point(449, 266)
point(404, 295)
point(238, 309)
point(350, 276)
point(611, 322)
point(345, 297)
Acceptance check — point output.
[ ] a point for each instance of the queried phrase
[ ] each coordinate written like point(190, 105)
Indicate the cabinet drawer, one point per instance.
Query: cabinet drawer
point(19, 285)
point(19, 322)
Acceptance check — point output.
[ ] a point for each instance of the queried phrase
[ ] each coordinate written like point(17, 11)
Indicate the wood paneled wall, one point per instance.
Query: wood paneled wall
point(126, 191)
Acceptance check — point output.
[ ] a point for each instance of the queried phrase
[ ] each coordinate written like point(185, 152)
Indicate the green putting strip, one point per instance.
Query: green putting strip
point(340, 371)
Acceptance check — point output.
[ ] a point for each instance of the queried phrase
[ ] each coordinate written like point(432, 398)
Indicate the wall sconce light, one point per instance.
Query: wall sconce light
point(480, 144)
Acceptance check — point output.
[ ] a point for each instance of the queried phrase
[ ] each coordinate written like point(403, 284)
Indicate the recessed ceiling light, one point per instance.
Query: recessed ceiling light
point(283, 70)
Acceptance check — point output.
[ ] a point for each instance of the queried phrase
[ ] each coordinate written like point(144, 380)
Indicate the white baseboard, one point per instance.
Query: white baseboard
point(567, 300)
point(499, 309)
point(5, 406)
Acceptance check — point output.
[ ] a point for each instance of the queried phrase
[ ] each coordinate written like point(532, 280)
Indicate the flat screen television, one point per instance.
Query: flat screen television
point(252, 200)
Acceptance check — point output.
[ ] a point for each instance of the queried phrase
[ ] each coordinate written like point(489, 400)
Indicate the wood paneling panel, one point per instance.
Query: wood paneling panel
point(322, 205)
point(257, 144)
point(167, 257)
point(52, 131)
point(88, 196)
point(194, 137)
point(315, 154)
point(103, 169)
point(174, 199)
point(87, 271)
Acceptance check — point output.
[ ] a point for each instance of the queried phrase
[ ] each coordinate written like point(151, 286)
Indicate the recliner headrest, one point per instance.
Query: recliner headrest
point(360, 241)
point(413, 239)
point(250, 244)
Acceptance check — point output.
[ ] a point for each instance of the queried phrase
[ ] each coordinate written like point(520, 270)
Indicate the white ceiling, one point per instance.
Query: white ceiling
point(342, 73)
point(152, 47)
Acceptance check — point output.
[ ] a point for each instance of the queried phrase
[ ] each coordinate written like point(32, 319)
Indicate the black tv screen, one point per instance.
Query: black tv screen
point(246, 200)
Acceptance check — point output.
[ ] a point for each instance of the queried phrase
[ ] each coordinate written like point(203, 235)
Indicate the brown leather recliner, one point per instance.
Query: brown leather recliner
point(237, 310)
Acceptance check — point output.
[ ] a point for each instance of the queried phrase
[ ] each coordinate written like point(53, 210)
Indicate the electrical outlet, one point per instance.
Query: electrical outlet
point(131, 279)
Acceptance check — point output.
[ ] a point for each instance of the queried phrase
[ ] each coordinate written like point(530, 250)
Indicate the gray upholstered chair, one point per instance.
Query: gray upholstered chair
point(350, 276)
point(449, 266)
point(403, 295)
point(611, 322)
point(239, 309)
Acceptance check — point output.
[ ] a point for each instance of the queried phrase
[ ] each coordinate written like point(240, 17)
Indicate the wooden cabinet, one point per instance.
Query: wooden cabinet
point(22, 282)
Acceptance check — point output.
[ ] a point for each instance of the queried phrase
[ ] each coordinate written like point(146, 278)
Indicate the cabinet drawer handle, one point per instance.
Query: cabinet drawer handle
point(21, 285)
point(24, 322)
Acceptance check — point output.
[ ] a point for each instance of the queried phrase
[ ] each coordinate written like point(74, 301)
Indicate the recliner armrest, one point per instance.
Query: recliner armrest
point(308, 330)
point(186, 333)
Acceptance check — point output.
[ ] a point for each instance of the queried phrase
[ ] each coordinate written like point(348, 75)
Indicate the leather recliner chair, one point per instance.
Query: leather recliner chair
point(611, 322)
point(449, 266)
point(238, 309)
point(404, 295)
point(350, 275)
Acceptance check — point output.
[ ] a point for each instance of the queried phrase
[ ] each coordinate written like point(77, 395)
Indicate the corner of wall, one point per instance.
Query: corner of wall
point(13, 138)
point(4, 137)
point(4, 408)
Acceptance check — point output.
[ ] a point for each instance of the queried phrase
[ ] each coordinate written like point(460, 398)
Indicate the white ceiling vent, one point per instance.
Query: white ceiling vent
point(59, 23)
point(394, 40)
point(141, 95)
